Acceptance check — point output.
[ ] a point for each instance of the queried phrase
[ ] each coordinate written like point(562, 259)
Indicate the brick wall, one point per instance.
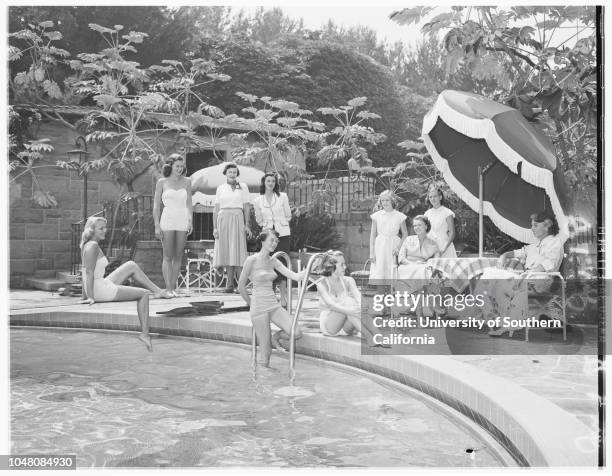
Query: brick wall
point(40, 237)
point(356, 230)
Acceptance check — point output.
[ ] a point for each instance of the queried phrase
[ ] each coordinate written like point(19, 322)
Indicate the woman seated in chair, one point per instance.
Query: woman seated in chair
point(508, 293)
point(340, 301)
point(412, 272)
point(97, 288)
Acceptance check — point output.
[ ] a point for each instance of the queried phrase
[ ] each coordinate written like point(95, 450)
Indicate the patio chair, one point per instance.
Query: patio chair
point(550, 304)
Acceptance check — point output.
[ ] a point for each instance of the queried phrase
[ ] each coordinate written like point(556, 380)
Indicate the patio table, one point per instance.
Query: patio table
point(458, 272)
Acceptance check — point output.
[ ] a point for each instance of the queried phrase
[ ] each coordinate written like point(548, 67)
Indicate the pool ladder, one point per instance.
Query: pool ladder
point(302, 288)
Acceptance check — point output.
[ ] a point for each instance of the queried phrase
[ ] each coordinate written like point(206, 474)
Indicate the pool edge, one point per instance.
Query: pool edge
point(533, 430)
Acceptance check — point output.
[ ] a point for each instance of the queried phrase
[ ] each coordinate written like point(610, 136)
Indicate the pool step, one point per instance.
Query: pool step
point(49, 280)
point(45, 284)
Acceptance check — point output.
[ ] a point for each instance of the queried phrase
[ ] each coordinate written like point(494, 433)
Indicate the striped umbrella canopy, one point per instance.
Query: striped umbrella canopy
point(464, 132)
point(208, 179)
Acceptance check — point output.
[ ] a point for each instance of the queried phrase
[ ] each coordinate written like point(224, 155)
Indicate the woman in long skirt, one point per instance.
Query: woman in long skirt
point(230, 225)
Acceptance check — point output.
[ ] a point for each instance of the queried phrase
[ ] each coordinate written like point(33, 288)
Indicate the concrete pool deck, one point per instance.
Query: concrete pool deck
point(541, 408)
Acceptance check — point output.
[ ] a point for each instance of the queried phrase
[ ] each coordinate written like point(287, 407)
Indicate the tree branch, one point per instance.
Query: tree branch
point(513, 52)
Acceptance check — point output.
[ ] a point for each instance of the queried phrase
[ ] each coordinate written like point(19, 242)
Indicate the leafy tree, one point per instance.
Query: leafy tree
point(170, 30)
point(550, 77)
point(313, 74)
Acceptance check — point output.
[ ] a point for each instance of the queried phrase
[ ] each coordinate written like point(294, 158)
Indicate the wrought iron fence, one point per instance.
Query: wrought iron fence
point(336, 191)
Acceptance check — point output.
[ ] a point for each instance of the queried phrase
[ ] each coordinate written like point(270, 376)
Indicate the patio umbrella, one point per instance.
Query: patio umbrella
point(496, 162)
point(207, 180)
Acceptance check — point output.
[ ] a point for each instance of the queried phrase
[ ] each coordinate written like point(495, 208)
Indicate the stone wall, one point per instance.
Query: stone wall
point(39, 237)
point(355, 228)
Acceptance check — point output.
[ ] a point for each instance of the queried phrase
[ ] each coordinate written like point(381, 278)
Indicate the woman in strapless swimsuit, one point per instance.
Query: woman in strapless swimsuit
point(172, 226)
point(97, 288)
point(265, 308)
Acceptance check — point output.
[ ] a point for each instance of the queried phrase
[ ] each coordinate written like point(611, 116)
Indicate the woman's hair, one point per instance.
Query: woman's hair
point(433, 186)
point(265, 233)
point(262, 187)
point(425, 220)
point(89, 229)
point(386, 194)
point(231, 165)
point(542, 217)
point(330, 260)
point(169, 162)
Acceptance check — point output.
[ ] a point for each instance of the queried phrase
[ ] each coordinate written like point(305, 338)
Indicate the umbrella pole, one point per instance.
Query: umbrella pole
point(480, 211)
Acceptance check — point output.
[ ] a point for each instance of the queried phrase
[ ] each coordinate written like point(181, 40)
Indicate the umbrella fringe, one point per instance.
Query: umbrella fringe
point(485, 129)
point(517, 232)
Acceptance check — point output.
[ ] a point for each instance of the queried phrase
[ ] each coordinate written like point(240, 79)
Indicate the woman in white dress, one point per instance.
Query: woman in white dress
point(385, 243)
point(442, 223)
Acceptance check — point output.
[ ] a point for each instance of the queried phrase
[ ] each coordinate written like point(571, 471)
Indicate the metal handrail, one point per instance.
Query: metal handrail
point(282, 254)
point(298, 308)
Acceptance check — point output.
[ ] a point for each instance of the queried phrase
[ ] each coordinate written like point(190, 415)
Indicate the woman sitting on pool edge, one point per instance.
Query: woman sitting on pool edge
point(97, 288)
point(264, 307)
point(340, 300)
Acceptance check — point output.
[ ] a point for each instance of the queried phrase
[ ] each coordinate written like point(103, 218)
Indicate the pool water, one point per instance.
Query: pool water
point(102, 397)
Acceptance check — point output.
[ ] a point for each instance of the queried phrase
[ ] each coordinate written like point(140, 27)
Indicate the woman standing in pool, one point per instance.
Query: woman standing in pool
point(272, 211)
point(231, 224)
point(385, 243)
point(174, 223)
point(261, 269)
point(97, 288)
point(442, 223)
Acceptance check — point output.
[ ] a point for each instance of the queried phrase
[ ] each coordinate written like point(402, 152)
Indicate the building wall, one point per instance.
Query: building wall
point(39, 238)
point(355, 228)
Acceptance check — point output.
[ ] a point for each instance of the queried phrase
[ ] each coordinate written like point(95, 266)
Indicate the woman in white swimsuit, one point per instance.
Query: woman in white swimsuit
point(264, 307)
point(340, 301)
point(97, 288)
point(174, 223)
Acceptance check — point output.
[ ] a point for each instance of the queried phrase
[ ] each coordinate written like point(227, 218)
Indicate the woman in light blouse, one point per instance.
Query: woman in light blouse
point(272, 211)
point(507, 289)
point(230, 225)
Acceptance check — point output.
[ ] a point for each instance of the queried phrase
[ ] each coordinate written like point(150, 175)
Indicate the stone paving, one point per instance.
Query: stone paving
point(569, 381)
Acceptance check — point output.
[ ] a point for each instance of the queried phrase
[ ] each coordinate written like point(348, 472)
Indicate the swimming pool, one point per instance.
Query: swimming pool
point(191, 402)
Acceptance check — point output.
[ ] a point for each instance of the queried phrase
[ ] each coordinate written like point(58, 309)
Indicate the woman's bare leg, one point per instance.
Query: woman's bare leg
point(231, 273)
point(131, 269)
point(128, 293)
point(168, 245)
point(282, 319)
point(180, 239)
point(261, 325)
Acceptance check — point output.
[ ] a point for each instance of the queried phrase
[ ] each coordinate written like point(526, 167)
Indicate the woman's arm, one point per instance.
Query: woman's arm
point(450, 224)
point(373, 234)
point(286, 207)
point(215, 215)
point(189, 205)
point(505, 257)
point(216, 212)
point(244, 277)
point(287, 273)
point(159, 187)
point(257, 208)
point(404, 233)
point(246, 211)
point(90, 257)
point(353, 289)
point(331, 301)
point(435, 251)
